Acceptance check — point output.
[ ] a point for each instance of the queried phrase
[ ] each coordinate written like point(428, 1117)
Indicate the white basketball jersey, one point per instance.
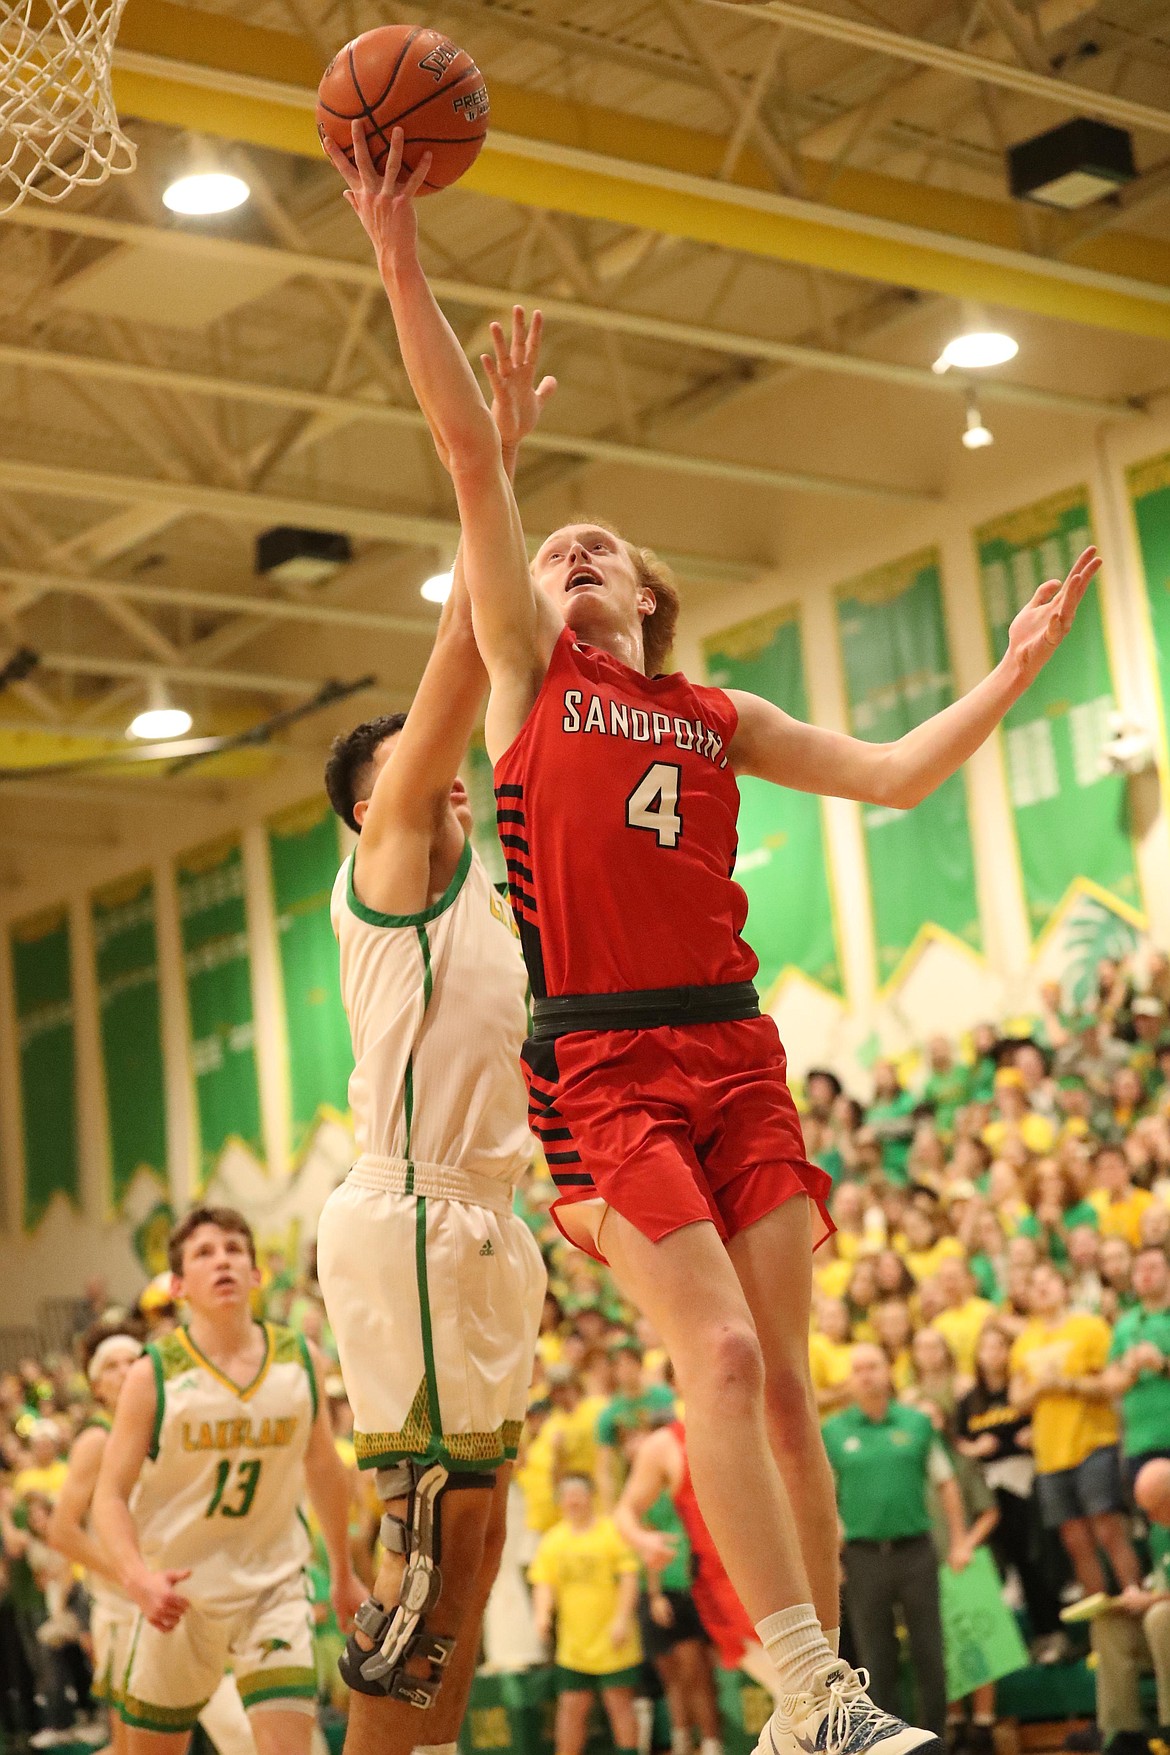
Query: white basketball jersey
point(437, 1007)
point(222, 1495)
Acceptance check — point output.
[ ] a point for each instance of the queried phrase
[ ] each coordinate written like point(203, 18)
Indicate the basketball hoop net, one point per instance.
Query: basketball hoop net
point(58, 124)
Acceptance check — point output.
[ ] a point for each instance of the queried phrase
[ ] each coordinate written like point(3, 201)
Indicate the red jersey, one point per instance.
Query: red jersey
point(720, 1610)
point(617, 812)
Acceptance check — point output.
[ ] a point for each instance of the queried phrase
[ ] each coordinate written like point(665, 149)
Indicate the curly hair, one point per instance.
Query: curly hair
point(347, 772)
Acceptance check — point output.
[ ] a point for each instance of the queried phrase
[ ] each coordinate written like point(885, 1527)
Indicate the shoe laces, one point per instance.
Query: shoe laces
point(849, 1711)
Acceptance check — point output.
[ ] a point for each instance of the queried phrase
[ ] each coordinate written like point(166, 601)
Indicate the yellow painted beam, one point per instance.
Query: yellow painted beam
point(240, 82)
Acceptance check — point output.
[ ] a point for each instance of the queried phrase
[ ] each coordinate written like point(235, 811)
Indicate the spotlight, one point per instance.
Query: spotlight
point(976, 349)
point(206, 192)
point(160, 718)
point(437, 589)
point(976, 437)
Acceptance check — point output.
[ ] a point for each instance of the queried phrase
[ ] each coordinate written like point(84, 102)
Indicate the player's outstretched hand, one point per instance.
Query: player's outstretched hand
point(384, 205)
point(162, 1605)
point(1042, 624)
point(517, 399)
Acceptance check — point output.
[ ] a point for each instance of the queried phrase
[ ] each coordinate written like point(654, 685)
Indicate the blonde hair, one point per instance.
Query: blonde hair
point(658, 628)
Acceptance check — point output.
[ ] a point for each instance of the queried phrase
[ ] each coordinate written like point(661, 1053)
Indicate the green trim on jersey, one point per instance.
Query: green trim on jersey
point(290, 1682)
point(154, 1354)
point(424, 1310)
point(172, 1355)
point(307, 1362)
point(373, 918)
point(244, 1390)
point(474, 1451)
point(145, 1716)
point(286, 1345)
point(100, 1419)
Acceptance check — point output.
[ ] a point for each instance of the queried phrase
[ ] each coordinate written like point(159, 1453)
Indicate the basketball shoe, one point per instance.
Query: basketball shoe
point(837, 1717)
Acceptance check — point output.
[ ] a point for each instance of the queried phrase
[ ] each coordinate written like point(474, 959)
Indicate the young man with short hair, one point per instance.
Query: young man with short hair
point(208, 1540)
point(434, 1286)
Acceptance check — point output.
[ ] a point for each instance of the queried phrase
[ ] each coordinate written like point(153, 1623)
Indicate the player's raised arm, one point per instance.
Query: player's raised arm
point(773, 746)
point(513, 628)
point(127, 1448)
point(411, 793)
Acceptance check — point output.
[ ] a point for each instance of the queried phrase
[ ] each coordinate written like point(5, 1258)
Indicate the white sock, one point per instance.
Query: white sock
point(794, 1642)
point(833, 1638)
point(710, 1746)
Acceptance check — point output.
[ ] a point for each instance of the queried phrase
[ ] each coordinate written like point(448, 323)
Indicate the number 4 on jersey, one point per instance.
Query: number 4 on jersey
point(653, 804)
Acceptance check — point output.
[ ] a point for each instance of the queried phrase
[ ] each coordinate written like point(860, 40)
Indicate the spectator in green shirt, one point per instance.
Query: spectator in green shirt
point(948, 1084)
point(891, 1118)
point(636, 1407)
point(884, 1458)
point(1138, 1375)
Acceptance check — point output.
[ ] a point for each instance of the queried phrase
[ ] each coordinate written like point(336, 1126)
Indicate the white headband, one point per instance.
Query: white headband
point(109, 1350)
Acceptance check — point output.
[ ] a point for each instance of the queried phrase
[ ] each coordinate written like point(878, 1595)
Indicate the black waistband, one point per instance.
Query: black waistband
point(888, 1545)
point(646, 1008)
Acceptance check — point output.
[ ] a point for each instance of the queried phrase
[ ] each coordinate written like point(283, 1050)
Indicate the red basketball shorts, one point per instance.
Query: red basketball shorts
point(671, 1125)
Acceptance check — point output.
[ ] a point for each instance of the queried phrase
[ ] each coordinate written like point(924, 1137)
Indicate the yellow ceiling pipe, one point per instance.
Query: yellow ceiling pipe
point(240, 82)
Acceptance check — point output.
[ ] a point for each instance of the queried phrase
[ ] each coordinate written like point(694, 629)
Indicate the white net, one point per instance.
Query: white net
point(58, 124)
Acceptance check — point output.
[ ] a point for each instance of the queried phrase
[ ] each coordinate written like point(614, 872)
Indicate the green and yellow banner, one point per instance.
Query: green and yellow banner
point(1149, 492)
point(214, 927)
point(897, 669)
point(43, 992)
point(1071, 818)
point(781, 861)
point(130, 1012)
point(304, 857)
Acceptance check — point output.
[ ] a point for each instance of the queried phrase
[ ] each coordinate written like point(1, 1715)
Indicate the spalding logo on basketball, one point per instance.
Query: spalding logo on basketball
point(402, 75)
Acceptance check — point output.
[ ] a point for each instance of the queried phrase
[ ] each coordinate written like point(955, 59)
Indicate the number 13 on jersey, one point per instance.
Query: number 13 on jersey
point(653, 804)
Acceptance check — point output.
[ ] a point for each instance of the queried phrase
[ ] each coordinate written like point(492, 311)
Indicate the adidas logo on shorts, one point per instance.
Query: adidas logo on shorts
point(487, 1248)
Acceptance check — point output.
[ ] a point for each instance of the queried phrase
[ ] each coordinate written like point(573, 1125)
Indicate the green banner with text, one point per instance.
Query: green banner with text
point(781, 861)
point(1071, 817)
point(130, 1012)
point(304, 855)
point(481, 791)
point(1149, 491)
point(214, 928)
point(44, 1027)
point(897, 673)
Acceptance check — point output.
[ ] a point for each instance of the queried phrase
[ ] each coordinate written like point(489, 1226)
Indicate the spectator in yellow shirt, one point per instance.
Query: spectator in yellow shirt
point(1014, 1117)
point(830, 1354)
point(1117, 1203)
point(922, 1249)
point(587, 1575)
point(47, 1471)
point(963, 1315)
point(570, 1432)
point(1058, 1375)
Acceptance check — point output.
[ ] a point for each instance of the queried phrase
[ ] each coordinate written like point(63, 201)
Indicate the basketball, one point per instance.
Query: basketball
point(414, 78)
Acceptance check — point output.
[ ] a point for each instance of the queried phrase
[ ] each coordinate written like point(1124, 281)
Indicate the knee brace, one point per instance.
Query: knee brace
point(399, 1634)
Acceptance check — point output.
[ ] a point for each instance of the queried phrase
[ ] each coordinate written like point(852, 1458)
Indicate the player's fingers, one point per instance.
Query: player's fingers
point(535, 334)
point(363, 163)
point(500, 344)
point(417, 177)
point(1046, 592)
point(339, 161)
point(546, 388)
point(518, 335)
point(489, 366)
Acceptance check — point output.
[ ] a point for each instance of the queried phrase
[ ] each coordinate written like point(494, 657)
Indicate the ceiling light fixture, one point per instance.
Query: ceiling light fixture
point(977, 349)
point(437, 589)
point(205, 192)
point(160, 718)
point(976, 437)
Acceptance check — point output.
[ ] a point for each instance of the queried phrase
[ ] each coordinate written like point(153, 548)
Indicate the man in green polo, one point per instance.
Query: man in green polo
point(885, 1458)
point(1138, 1374)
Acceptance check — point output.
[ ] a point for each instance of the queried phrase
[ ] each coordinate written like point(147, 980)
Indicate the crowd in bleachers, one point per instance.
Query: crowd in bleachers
point(1002, 1210)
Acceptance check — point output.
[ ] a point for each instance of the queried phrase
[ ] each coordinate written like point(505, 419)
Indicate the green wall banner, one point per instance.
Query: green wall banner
point(1071, 819)
point(897, 673)
point(781, 861)
point(304, 856)
point(214, 928)
point(44, 1024)
point(485, 838)
point(130, 1013)
point(1149, 491)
